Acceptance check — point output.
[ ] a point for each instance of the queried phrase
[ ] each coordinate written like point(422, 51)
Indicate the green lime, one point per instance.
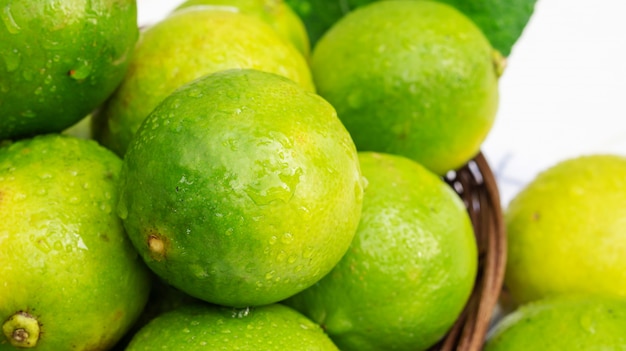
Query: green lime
point(502, 21)
point(410, 269)
point(276, 13)
point(565, 230)
point(573, 323)
point(59, 60)
point(207, 327)
point(182, 47)
point(414, 78)
point(70, 277)
point(241, 188)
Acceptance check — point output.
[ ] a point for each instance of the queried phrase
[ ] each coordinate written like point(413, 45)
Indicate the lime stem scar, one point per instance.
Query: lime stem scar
point(156, 245)
point(22, 330)
point(499, 63)
point(20, 335)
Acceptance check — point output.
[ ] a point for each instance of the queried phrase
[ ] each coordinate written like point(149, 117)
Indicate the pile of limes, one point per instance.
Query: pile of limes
point(234, 177)
point(564, 282)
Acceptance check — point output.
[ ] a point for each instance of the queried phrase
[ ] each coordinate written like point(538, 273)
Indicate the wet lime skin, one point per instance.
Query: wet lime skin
point(184, 46)
point(241, 188)
point(59, 60)
point(414, 78)
point(565, 230)
point(409, 270)
point(65, 257)
point(566, 322)
point(276, 13)
point(206, 327)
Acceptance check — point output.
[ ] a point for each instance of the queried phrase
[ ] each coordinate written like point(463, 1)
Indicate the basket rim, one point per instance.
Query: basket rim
point(477, 186)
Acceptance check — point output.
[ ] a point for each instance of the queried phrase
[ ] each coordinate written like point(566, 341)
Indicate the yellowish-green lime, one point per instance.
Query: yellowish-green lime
point(206, 327)
point(566, 232)
point(241, 188)
point(59, 60)
point(414, 78)
point(410, 268)
point(184, 46)
point(573, 323)
point(276, 13)
point(70, 277)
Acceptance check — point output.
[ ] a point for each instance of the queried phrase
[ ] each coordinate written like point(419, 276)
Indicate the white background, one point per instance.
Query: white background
point(563, 93)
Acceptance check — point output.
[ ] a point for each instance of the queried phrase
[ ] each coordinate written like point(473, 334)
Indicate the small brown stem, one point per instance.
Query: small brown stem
point(20, 335)
point(22, 330)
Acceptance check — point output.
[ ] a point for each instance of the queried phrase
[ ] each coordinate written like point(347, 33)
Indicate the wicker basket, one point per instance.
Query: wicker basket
point(476, 185)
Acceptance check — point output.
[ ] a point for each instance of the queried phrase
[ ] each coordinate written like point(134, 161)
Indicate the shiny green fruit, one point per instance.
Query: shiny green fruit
point(241, 188)
point(573, 323)
point(276, 13)
point(70, 278)
point(565, 230)
point(409, 270)
point(182, 47)
point(413, 78)
point(59, 60)
point(206, 327)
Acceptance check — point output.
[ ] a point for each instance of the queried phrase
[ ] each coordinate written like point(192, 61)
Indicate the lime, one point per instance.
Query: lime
point(182, 47)
point(411, 266)
point(565, 230)
point(70, 277)
point(206, 327)
point(276, 13)
point(61, 59)
point(574, 323)
point(414, 78)
point(241, 188)
point(502, 21)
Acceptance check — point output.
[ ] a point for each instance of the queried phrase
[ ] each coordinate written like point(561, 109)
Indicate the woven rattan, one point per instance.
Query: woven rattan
point(476, 185)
